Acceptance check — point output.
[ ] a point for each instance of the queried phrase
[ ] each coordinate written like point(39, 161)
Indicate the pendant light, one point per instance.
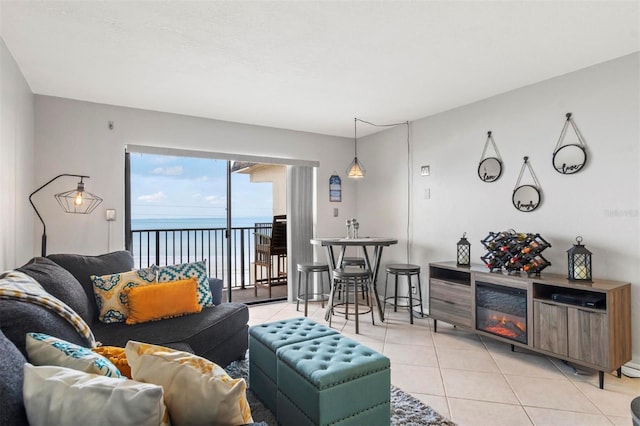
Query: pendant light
point(356, 170)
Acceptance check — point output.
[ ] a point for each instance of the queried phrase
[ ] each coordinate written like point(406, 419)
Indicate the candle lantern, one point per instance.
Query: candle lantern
point(579, 261)
point(464, 251)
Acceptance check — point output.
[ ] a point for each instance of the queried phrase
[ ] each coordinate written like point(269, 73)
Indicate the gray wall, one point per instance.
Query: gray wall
point(16, 163)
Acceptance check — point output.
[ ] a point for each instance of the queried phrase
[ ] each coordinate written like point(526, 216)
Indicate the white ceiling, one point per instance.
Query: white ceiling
point(308, 65)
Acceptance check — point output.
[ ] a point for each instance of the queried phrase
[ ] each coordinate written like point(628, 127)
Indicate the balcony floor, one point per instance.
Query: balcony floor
point(246, 295)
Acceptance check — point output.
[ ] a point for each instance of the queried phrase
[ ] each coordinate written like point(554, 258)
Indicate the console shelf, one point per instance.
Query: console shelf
point(588, 324)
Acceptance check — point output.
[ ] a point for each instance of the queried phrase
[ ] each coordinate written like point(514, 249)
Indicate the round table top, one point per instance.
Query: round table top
point(365, 241)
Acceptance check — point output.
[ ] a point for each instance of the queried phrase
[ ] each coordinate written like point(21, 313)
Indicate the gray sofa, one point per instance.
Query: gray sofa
point(218, 333)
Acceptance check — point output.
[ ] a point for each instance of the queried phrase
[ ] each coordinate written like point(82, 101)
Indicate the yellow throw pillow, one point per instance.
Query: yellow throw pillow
point(153, 302)
point(196, 390)
point(117, 356)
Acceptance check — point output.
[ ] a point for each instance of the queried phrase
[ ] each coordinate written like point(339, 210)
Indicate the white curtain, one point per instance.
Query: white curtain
point(299, 222)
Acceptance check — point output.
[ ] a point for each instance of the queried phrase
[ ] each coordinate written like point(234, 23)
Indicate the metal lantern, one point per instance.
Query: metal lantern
point(579, 261)
point(464, 251)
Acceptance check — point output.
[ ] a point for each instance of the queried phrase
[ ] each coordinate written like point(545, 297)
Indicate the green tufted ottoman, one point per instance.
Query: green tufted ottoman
point(264, 341)
point(333, 380)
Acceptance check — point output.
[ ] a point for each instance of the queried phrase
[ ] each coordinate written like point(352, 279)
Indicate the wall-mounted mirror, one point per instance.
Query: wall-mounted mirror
point(490, 168)
point(569, 158)
point(526, 198)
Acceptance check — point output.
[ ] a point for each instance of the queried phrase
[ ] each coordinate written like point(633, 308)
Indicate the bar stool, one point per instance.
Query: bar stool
point(351, 279)
point(408, 271)
point(309, 268)
point(359, 263)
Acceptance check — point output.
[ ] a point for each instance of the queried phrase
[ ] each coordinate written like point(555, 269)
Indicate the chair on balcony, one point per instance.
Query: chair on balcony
point(271, 253)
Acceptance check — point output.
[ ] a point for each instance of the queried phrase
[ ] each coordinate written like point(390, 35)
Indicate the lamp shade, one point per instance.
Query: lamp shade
point(356, 169)
point(78, 200)
point(579, 262)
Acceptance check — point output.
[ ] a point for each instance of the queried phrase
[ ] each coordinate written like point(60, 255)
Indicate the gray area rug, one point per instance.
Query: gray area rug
point(405, 409)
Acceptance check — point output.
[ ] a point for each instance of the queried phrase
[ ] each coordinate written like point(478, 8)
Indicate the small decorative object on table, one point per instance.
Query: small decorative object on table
point(348, 229)
point(515, 252)
point(579, 262)
point(464, 251)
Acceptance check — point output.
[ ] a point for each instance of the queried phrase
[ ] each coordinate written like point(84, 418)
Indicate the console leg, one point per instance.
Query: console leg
point(513, 348)
point(435, 325)
point(601, 379)
point(619, 371)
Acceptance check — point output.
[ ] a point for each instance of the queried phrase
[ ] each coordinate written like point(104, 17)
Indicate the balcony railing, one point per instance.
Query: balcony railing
point(174, 246)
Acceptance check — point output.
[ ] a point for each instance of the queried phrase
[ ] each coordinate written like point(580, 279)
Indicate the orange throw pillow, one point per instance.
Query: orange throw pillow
point(117, 356)
point(163, 300)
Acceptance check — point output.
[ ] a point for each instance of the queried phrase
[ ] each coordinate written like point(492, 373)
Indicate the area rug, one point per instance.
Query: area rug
point(405, 409)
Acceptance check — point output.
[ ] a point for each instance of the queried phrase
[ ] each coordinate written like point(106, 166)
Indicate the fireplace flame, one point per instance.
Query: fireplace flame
point(501, 326)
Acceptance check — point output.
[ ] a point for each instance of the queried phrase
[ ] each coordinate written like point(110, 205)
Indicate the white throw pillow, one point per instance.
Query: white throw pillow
point(196, 390)
point(62, 396)
point(43, 349)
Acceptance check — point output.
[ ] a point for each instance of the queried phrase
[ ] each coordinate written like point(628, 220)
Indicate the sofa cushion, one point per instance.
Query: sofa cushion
point(185, 271)
point(56, 395)
point(110, 293)
point(11, 376)
point(59, 282)
point(190, 384)
point(48, 350)
point(18, 318)
point(153, 302)
point(82, 267)
point(202, 331)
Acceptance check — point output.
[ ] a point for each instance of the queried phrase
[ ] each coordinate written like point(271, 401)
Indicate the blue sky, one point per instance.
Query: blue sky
point(181, 187)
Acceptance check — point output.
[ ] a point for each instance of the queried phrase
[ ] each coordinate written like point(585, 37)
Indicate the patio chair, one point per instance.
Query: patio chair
point(270, 251)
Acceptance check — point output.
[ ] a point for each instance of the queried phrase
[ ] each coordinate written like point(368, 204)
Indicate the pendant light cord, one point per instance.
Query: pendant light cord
point(409, 181)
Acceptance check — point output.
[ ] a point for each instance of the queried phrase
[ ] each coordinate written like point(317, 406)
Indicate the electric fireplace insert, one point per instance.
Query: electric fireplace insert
point(502, 311)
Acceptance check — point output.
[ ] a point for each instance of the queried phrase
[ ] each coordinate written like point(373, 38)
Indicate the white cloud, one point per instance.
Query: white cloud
point(203, 178)
point(152, 198)
point(168, 171)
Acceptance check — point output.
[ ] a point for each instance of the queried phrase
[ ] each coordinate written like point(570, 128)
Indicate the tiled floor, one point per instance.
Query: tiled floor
point(479, 381)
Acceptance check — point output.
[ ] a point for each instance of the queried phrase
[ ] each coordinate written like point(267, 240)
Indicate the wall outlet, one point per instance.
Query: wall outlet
point(335, 212)
point(414, 289)
point(425, 171)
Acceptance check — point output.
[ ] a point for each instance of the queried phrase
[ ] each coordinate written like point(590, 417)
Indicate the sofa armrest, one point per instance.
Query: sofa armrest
point(216, 286)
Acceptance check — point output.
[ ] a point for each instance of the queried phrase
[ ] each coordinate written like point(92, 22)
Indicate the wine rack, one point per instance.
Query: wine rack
point(514, 252)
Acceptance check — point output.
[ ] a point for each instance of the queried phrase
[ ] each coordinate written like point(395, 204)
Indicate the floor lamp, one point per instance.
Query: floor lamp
point(73, 201)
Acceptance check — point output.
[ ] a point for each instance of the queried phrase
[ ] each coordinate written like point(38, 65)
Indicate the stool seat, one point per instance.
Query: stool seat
point(403, 268)
point(353, 261)
point(313, 267)
point(350, 272)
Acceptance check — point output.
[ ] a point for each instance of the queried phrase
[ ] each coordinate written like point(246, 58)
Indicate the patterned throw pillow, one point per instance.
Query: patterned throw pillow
point(61, 396)
point(43, 349)
point(186, 271)
point(110, 297)
point(190, 385)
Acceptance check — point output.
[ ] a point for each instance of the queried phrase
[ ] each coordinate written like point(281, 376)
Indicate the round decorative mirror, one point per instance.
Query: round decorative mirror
point(526, 198)
point(490, 169)
point(569, 159)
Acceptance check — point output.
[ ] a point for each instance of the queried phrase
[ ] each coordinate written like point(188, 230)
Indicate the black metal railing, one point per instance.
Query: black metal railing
point(174, 246)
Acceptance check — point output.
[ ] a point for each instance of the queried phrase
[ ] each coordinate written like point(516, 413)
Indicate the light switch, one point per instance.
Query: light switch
point(110, 215)
point(335, 212)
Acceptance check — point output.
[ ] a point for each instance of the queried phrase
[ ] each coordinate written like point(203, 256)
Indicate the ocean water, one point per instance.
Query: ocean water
point(195, 223)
